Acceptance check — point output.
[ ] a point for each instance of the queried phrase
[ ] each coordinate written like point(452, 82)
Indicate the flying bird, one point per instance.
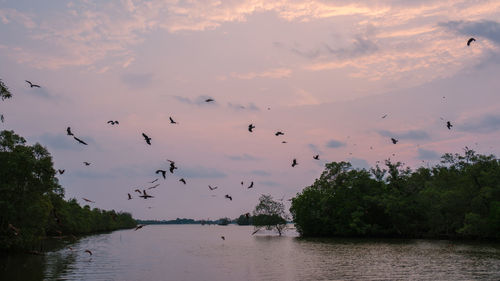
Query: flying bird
point(183, 180)
point(32, 85)
point(228, 197)
point(316, 157)
point(163, 173)
point(86, 163)
point(145, 195)
point(394, 141)
point(212, 188)
point(172, 120)
point(146, 138)
point(88, 251)
point(384, 116)
point(251, 185)
point(87, 200)
point(223, 238)
point(241, 183)
point(251, 127)
point(138, 191)
point(209, 100)
point(153, 181)
point(172, 166)
point(129, 196)
point(278, 133)
point(139, 227)
point(283, 142)
point(61, 171)
point(294, 163)
point(79, 140)
point(113, 122)
point(470, 41)
point(154, 186)
point(448, 125)
point(68, 131)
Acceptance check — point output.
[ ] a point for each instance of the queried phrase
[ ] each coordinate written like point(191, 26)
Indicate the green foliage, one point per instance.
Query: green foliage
point(32, 204)
point(4, 94)
point(269, 214)
point(244, 220)
point(458, 198)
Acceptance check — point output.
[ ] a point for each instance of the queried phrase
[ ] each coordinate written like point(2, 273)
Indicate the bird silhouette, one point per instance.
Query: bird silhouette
point(113, 122)
point(251, 185)
point(209, 100)
point(163, 173)
point(223, 238)
point(183, 180)
point(139, 227)
point(129, 196)
point(153, 181)
point(32, 85)
point(172, 166)
point(448, 125)
point(212, 188)
point(87, 200)
point(154, 186)
point(145, 195)
point(61, 171)
point(88, 251)
point(241, 183)
point(146, 138)
point(138, 191)
point(79, 140)
point(278, 133)
point(86, 163)
point(228, 197)
point(283, 142)
point(470, 41)
point(251, 127)
point(316, 157)
point(68, 131)
point(172, 120)
point(394, 141)
point(384, 116)
point(294, 163)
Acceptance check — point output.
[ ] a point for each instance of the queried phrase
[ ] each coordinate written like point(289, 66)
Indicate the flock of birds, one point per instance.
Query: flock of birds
point(172, 166)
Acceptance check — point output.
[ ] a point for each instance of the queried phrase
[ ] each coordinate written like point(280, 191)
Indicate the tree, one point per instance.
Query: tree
point(4, 94)
point(269, 214)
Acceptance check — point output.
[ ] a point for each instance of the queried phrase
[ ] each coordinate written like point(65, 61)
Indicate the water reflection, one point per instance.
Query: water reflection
point(193, 252)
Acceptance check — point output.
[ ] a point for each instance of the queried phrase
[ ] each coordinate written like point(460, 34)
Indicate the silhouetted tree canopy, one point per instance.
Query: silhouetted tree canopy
point(4, 94)
point(269, 214)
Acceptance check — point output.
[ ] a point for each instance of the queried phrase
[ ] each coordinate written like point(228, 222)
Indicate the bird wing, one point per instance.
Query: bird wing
point(79, 140)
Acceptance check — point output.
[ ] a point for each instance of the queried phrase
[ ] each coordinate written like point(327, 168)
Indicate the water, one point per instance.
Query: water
point(194, 252)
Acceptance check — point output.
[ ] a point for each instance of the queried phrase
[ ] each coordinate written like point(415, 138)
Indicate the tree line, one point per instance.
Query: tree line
point(32, 204)
point(458, 198)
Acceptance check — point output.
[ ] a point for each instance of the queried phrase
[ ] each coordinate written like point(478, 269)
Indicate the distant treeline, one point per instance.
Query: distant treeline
point(459, 198)
point(32, 204)
point(221, 221)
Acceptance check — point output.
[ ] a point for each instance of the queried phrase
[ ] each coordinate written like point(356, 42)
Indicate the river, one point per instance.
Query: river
point(195, 252)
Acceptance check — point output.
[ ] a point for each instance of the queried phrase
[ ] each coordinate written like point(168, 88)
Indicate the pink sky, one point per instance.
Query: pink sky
point(327, 71)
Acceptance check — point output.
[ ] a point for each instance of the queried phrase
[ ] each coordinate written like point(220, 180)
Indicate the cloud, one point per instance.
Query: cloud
point(260, 173)
point(335, 144)
point(361, 46)
point(484, 28)
point(408, 135)
point(276, 73)
point(425, 154)
point(236, 106)
point(485, 124)
point(243, 157)
point(359, 163)
point(268, 183)
point(314, 148)
point(200, 100)
point(137, 80)
point(201, 172)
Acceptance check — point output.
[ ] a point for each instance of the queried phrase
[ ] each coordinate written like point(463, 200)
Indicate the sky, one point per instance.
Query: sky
point(322, 72)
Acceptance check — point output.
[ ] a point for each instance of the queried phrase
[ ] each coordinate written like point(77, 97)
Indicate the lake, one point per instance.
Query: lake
point(195, 252)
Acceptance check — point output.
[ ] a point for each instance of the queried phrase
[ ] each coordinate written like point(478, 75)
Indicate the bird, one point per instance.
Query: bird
point(183, 180)
point(172, 120)
point(448, 125)
point(61, 171)
point(68, 131)
point(146, 138)
point(223, 238)
point(212, 188)
point(145, 195)
point(294, 163)
point(283, 142)
point(153, 181)
point(394, 141)
point(256, 231)
point(279, 133)
point(209, 100)
point(251, 185)
point(251, 127)
point(87, 200)
point(138, 191)
point(316, 157)
point(129, 196)
point(241, 183)
point(384, 116)
point(228, 197)
point(88, 251)
point(86, 163)
point(113, 122)
point(32, 85)
point(154, 186)
point(172, 166)
point(470, 41)
point(139, 227)
point(80, 141)
point(163, 173)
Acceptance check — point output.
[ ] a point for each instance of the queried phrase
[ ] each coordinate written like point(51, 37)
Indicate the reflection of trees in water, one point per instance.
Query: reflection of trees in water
point(58, 263)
